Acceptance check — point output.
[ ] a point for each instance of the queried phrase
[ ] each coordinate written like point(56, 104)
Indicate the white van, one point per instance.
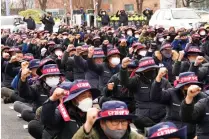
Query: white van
point(176, 17)
point(13, 22)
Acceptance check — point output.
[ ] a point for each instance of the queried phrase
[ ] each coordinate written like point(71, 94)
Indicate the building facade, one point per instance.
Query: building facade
point(111, 6)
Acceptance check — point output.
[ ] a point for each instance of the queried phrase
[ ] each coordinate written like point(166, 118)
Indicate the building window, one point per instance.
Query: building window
point(129, 7)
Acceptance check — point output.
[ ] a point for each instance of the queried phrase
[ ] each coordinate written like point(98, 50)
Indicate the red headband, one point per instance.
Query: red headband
point(188, 79)
point(114, 112)
point(80, 85)
point(50, 70)
point(146, 63)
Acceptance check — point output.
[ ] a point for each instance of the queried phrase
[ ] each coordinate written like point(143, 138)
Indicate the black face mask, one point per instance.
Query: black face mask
point(150, 74)
point(85, 56)
point(197, 41)
point(97, 43)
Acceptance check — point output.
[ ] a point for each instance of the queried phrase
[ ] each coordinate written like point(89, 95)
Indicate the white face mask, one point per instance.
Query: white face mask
point(129, 33)
point(202, 33)
point(88, 31)
point(137, 36)
point(142, 52)
point(115, 61)
point(52, 81)
point(85, 104)
point(64, 37)
point(161, 39)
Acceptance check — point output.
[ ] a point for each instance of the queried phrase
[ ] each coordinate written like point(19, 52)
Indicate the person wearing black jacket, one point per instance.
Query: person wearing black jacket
point(69, 63)
point(105, 18)
point(198, 113)
point(185, 60)
point(173, 97)
point(115, 91)
point(30, 23)
point(48, 21)
point(107, 69)
point(123, 18)
point(148, 112)
point(38, 92)
point(205, 47)
point(90, 75)
point(78, 98)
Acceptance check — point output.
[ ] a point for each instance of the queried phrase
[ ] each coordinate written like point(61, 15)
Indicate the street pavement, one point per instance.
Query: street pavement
point(11, 125)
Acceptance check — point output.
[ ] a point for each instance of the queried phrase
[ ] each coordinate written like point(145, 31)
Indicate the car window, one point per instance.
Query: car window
point(184, 14)
point(161, 15)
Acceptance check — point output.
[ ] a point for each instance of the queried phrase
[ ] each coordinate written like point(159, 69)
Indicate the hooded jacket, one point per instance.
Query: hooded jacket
point(172, 98)
point(145, 107)
point(54, 124)
point(167, 62)
point(197, 113)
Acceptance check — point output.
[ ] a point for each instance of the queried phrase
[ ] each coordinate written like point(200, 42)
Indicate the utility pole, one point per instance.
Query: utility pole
point(71, 13)
point(7, 7)
point(95, 12)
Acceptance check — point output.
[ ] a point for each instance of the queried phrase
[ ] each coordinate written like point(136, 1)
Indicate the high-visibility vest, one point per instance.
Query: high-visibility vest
point(99, 19)
point(130, 18)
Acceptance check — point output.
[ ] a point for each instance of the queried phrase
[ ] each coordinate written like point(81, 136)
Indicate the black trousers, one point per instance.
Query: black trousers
point(35, 128)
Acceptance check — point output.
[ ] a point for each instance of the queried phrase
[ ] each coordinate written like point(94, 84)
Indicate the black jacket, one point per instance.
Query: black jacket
point(172, 98)
point(197, 113)
point(30, 23)
point(71, 69)
point(90, 75)
point(145, 107)
point(105, 20)
point(49, 23)
point(36, 93)
point(104, 71)
point(11, 70)
point(179, 67)
point(123, 18)
point(205, 49)
point(54, 123)
point(201, 71)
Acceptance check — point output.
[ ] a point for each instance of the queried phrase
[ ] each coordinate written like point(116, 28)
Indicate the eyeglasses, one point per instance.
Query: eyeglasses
point(116, 122)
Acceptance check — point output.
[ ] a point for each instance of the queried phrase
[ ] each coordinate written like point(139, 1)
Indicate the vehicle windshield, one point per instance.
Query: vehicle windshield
point(184, 14)
point(11, 21)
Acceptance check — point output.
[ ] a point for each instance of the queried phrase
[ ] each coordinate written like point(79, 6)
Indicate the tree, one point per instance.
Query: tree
point(186, 3)
point(42, 4)
point(3, 7)
point(139, 5)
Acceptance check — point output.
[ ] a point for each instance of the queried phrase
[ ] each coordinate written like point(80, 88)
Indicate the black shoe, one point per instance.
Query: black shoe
point(7, 100)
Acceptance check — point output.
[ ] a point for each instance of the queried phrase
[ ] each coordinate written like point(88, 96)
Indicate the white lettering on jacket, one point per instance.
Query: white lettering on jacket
point(176, 104)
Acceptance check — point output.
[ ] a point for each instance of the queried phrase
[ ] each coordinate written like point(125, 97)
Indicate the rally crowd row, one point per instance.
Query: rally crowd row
point(95, 83)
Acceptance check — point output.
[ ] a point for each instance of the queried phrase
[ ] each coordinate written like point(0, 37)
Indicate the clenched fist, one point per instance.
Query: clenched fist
point(58, 93)
point(90, 52)
point(91, 118)
point(192, 91)
point(162, 72)
point(199, 60)
point(110, 86)
point(25, 73)
point(125, 62)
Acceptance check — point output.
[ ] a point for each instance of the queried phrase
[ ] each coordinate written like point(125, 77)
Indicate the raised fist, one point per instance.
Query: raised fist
point(162, 72)
point(193, 90)
point(125, 62)
point(91, 51)
point(110, 86)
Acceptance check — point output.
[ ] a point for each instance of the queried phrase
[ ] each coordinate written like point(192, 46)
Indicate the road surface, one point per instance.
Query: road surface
point(11, 125)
